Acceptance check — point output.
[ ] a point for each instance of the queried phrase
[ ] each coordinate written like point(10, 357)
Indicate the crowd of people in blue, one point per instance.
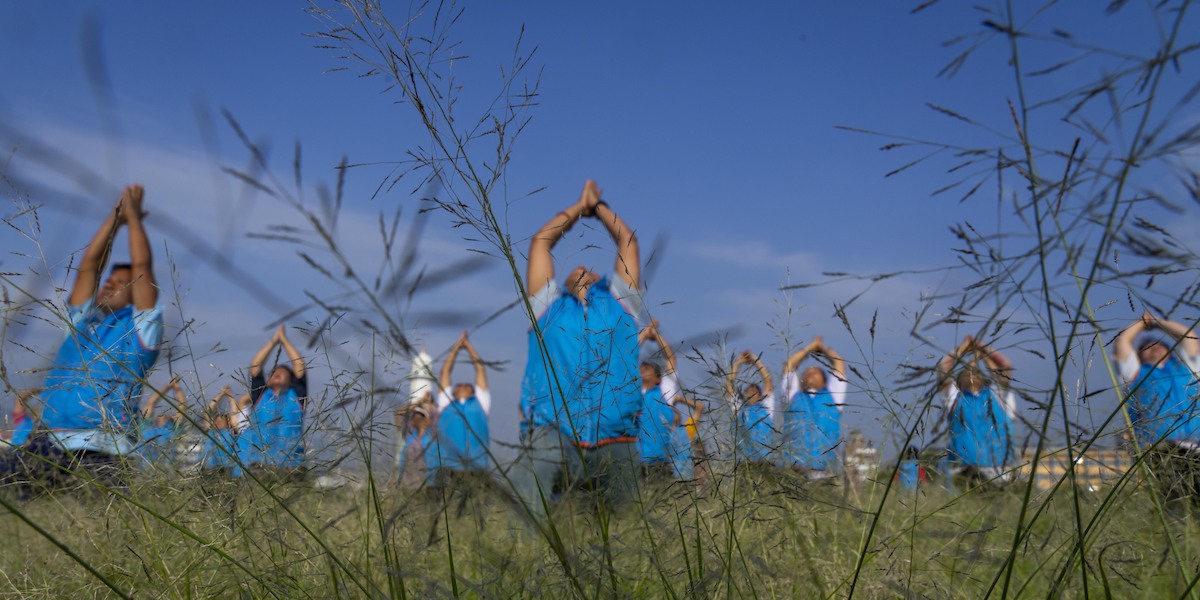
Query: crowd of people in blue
point(592, 412)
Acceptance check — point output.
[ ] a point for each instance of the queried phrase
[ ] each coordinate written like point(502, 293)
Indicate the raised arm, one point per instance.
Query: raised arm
point(445, 382)
point(998, 364)
point(628, 265)
point(152, 400)
point(180, 400)
point(1182, 334)
point(541, 262)
point(256, 364)
point(946, 365)
point(731, 379)
point(144, 289)
point(95, 257)
point(208, 419)
point(668, 353)
point(797, 357)
point(481, 381)
point(298, 366)
point(765, 373)
point(837, 364)
point(1123, 347)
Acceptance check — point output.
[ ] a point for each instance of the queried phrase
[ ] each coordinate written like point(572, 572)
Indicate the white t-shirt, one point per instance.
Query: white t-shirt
point(1130, 365)
point(768, 400)
point(1008, 399)
point(836, 386)
point(630, 298)
point(445, 397)
point(669, 386)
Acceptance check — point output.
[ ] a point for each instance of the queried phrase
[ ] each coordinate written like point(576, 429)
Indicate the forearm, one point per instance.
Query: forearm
point(628, 262)
point(768, 385)
point(668, 352)
point(1183, 334)
point(260, 359)
point(1123, 347)
point(144, 289)
point(298, 366)
point(87, 277)
point(444, 379)
point(541, 259)
point(836, 363)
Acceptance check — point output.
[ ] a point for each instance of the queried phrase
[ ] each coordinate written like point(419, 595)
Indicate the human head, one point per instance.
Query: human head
point(463, 391)
point(813, 378)
point(1153, 351)
point(651, 374)
point(419, 418)
point(281, 378)
point(970, 380)
point(752, 394)
point(116, 293)
point(579, 280)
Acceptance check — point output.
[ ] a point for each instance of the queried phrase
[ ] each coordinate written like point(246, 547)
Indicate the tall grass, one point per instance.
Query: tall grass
point(1069, 160)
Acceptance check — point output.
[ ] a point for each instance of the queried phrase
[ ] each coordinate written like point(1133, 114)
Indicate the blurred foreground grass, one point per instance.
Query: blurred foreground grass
point(755, 535)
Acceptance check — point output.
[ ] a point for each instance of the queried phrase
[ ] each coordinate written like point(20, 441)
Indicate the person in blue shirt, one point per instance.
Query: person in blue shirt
point(666, 449)
point(579, 394)
point(979, 414)
point(218, 447)
point(753, 411)
point(810, 419)
point(1161, 379)
point(273, 442)
point(158, 432)
point(463, 438)
point(89, 397)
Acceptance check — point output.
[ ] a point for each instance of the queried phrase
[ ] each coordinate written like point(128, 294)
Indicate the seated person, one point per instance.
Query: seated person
point(462, 421)
point(979, 413)
point(812, 416)
point(274, 438)
point(753, 409)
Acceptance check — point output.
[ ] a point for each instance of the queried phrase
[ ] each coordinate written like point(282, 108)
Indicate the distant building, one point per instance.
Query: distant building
point(1093, 469)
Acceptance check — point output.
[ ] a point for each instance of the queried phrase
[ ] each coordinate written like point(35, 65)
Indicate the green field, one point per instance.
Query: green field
point(752, 536)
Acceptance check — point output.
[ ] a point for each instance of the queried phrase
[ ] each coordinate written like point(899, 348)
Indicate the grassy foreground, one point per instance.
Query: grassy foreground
point(757, 535)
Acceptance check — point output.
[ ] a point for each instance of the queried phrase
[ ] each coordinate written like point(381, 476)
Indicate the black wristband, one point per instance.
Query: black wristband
point(599, 204)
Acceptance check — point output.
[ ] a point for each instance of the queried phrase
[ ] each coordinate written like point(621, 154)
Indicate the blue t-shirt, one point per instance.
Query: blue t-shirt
point(21, 430)
point(1162, 403)
point(754, 433)
point(91, 392)
point(586, 382)
point(275, 436)
point(979, 429)
point(811, 431)
point(463, 437)
point(657, 423)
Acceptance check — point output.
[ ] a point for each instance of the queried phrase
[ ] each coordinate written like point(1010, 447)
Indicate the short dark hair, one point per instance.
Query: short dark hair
point(117, 266)
point(285, 368)
point(1146, 343)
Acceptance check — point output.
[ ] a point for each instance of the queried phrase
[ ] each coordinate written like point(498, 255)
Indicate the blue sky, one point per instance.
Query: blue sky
point(712, 127)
